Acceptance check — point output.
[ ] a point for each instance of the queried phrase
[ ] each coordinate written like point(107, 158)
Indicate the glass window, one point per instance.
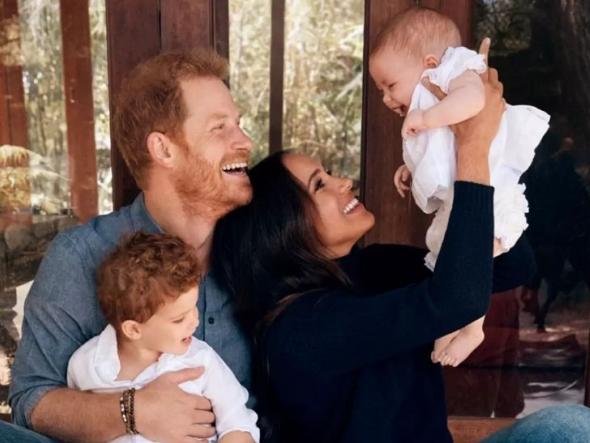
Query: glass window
point(323, 81)
point(536, 340)
point(100, 94)
point(322, 95)
point(34, 177)
point(249, 46)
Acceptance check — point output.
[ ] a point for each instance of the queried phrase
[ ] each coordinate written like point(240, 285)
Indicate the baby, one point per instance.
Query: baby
point(421, 43)
point(148, 290)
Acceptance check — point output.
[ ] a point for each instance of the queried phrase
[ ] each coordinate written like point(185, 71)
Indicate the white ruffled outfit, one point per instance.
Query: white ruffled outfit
point(431, 157)
point(96, 365)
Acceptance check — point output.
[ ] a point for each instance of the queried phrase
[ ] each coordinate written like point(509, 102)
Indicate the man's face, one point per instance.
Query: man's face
point(211, 175)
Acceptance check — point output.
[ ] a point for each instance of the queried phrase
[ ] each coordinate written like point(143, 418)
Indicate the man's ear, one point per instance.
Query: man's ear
point(430, 61)
point(131, 329)
point(159, 148)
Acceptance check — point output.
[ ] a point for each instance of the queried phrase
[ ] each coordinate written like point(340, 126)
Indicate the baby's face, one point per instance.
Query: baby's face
point(396, 74)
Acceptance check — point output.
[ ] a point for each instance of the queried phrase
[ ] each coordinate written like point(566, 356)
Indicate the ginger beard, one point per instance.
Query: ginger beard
point(204, 189)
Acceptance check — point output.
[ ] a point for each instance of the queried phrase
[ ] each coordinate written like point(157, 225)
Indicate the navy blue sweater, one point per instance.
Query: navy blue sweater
point(354, 365)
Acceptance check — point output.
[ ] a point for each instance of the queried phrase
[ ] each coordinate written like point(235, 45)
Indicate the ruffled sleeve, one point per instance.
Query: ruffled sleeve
point(455, 62)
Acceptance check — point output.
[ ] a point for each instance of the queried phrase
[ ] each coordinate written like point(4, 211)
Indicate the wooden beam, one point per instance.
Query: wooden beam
point(460, 11)
point(221, 27)
point(397, 220)
point(77, 72)
point(186, 24)
point(473, 430)
point(277, 66)
point(13, 116)
point(133, 35)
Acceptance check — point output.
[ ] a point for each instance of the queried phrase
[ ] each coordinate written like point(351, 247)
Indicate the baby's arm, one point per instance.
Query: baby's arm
point(465, 99)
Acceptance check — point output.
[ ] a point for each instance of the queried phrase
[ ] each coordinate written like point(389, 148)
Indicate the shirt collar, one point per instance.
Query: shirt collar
point(141, 218)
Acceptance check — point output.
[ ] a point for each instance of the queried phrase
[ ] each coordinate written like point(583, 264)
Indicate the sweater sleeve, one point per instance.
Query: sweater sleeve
point(389, 266)
point(335, 331)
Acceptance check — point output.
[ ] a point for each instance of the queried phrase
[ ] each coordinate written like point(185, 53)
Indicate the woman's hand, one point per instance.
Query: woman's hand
point(474, 136)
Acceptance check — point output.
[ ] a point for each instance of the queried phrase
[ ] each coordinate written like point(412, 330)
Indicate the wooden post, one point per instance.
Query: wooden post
point(460, 11)
point(77, 71)
point(13, 117)
point(397, 220)
point(277, 65)
point(221, 27)
point(140, 29)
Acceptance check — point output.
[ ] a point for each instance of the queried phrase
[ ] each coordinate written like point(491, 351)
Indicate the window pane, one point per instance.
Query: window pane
point(35, 201)
point(537, 337)
point(45, 105)
point(249, 57)
point(100, 93)
point(323, 81)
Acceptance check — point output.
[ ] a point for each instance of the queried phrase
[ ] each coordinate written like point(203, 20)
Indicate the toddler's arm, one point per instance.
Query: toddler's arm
point(234, 421)
point(465, 99)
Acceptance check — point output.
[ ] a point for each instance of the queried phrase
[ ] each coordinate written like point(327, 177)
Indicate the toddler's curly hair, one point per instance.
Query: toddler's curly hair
point(144, 272)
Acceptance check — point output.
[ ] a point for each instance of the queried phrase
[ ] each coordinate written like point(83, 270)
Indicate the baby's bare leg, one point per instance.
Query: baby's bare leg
point(466, 341)
point(440, 345)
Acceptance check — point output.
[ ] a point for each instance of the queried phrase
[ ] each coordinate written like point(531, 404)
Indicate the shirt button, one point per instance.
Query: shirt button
point(211, 320)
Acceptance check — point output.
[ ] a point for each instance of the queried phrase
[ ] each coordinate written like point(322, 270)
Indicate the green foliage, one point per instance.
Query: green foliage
point(40, 34)
point(100, 92)
point(43, 84)
point(250, 68)
point(322, 79)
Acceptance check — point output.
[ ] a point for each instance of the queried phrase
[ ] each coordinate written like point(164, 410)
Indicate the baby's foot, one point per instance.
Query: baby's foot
point(440, 344)
point(460, 347)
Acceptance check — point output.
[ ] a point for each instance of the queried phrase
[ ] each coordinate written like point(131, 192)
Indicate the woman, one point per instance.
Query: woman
point(344, 335)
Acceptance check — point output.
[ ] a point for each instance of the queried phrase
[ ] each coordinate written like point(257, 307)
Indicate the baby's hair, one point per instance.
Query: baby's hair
point(418, 31)
point(142, 273)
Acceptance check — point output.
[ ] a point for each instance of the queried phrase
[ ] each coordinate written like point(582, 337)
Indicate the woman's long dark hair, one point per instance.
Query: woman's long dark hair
point(266, 254)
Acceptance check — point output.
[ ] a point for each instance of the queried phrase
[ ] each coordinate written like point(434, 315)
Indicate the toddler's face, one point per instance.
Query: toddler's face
point(396, 74)
point(171, 328)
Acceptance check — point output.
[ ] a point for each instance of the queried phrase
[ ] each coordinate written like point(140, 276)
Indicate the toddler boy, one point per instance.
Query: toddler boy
point(148, 290)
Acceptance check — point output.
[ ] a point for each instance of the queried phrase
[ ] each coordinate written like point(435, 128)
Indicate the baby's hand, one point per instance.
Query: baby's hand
point(413, 124)
point(401, 176)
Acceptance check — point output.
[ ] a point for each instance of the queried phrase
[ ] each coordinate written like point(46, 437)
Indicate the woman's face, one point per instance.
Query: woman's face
point(341, 219)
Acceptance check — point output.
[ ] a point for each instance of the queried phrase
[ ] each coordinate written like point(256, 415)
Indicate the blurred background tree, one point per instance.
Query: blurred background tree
point(322, 78)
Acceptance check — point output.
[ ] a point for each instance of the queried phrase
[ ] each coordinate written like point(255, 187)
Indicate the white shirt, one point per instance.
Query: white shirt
point(96, 365)
point(431, 157)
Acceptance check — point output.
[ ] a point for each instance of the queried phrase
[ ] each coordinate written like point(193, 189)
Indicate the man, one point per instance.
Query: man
point(179, 132)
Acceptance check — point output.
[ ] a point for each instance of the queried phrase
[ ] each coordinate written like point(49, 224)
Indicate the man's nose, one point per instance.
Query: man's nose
point(244, 142)
point(346, 184)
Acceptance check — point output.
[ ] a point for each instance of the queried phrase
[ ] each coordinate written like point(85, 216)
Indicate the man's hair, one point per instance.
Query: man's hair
point(142, 273)
point(418, 31)
point(150, 99)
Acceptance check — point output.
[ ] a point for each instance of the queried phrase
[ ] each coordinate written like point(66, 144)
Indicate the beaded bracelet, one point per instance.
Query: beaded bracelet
point(127, 407)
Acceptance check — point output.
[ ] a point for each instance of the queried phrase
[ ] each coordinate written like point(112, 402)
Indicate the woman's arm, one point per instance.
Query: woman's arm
point(335, 332)
point(511, 269)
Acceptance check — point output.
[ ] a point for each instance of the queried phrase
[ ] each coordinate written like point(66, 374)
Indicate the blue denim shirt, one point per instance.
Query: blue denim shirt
point(62, 310)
